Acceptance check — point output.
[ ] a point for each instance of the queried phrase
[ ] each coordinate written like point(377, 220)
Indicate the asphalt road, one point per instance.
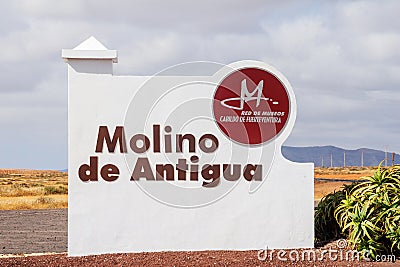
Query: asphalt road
point(33, 231)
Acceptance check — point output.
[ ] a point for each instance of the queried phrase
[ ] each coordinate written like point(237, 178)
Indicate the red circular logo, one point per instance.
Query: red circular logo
point(251, 106)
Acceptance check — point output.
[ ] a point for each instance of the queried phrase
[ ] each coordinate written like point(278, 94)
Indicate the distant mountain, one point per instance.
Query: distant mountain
point(322, 155)
point(315, 154)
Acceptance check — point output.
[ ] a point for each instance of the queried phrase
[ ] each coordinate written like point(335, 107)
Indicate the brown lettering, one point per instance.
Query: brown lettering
point(167, 138)
point(134, 145)
point(104, 135)
point(252, 172)
point(194, 169)
point(211, 172)
point(181, 167)
point(89, 172)
point(214, 143)
point(142, 170)
point(231, 173)
point(156, 138)
point(109, 172)
point(191, 140)
point(165, 171)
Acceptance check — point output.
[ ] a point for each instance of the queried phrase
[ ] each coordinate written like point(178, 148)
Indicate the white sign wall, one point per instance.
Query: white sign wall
point(179, 162)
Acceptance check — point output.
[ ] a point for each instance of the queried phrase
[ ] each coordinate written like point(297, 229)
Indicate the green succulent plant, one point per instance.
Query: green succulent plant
point(325, 225)
point(369, 215)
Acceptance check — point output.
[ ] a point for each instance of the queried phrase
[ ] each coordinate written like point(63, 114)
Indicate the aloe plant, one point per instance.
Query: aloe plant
point(370, 213)
point(325, 225)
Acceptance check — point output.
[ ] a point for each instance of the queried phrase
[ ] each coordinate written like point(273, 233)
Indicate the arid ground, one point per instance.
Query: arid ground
point(31, 189)
point(329, 184)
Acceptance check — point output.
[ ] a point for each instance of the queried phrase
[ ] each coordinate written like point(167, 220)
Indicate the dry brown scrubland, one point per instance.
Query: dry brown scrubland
point(352, 173)
point(36, 189)
point(33, 189)
point(322, 188)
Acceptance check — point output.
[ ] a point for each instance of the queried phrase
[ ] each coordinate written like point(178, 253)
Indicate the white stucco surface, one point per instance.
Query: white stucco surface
point(135, 216)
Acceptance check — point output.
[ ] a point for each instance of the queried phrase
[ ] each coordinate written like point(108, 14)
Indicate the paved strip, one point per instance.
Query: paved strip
point(33, 231)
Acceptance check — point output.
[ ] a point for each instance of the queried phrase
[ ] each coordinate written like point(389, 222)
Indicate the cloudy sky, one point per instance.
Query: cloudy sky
point(341, 57)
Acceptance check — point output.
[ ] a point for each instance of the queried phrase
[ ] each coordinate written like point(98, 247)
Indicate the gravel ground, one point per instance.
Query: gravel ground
point(203, 258)
point(33, 231)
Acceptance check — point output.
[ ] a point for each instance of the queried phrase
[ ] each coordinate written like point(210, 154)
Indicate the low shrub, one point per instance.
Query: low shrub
point(52, 190)
point(44, 200)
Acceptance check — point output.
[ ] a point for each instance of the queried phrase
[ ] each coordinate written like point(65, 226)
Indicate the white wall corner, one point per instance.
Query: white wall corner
point(91, 48)
point(90, 56)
